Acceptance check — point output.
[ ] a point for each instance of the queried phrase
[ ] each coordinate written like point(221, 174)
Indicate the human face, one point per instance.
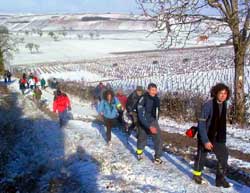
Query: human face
point(139, 93)
point(153, 91)
point(109, 97)
point(222, 96)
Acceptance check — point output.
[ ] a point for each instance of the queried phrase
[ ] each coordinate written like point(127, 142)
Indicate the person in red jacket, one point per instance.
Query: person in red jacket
point(61, 106)
point(123, 100)
point(35, 80)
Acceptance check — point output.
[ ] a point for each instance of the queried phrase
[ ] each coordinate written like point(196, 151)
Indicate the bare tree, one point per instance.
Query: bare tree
point(7, 47)
point(97, 34)
point(36, 46)
point(51, 34)
point(91, 35)
point(177, 17)
point(40, 32)
point(80, 36)
point(30, 46)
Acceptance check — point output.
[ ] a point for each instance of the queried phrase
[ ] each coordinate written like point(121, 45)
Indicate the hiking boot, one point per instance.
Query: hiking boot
point(158, 160)
point(221, 182)
point(139, 157)
point(109, 143)
point(197, 179)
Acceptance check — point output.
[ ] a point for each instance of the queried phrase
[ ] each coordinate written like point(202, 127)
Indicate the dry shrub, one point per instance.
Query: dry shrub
point(182, 106)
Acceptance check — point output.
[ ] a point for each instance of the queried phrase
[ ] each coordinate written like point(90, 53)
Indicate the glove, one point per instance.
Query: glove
point(153, 130)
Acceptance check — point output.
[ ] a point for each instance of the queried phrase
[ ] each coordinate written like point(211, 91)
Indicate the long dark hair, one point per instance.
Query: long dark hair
point(220, 87)
point(108, 92)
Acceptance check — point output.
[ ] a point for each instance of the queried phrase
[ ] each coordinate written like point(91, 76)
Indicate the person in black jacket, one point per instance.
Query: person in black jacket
point(212, 135)
point(131, 107)
point(148, 114)
point(9, 76)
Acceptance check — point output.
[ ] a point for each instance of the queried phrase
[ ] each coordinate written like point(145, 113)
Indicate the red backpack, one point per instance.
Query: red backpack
point(191, 132)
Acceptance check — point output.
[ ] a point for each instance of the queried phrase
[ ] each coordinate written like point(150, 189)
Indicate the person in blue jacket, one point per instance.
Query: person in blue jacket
point(108, 108)
point(148, 114)
point(212, 135)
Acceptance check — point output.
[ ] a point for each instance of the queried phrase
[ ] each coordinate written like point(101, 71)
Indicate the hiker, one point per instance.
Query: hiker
point(32, 83)
point(43, 83)
point(9, 76)
point(131, 107)
point(108, 109)
point(61, 106)
point(123, 101)
point(212, 135)
point(35, 78)
point(5, 76)
point(98, 92)
point(22, 84)
point(37, 94)
point(54, 83)
point(148, 114)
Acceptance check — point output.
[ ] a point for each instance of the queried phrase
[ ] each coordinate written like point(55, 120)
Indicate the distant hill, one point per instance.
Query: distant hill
point(116, 22)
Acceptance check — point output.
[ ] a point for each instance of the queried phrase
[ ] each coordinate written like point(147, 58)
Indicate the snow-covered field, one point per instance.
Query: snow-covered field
point(77, 157)
point(195, 70)
point(111, 33)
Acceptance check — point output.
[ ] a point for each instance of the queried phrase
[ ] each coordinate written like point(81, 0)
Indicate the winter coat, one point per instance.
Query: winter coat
point(123, 100)
point(109, 110)
point(9, 74)
point(204, 121)
point(61, 103)
point(35, 79)
point(43, 82)
point(5, 75)
point(31, 82)
point(148, 109)
point(132, 101)
point(22, 83)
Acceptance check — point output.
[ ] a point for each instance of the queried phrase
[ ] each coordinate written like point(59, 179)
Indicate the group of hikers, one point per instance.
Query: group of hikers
point(140, 112)
point(32, 83)
point(143, 110)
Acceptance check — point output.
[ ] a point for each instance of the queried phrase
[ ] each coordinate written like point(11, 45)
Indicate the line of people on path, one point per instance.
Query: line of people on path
point(140, 112)
point(143, 111)
point(31, 83)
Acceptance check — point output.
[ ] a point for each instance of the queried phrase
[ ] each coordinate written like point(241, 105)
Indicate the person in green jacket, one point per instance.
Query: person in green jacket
point(43, 83)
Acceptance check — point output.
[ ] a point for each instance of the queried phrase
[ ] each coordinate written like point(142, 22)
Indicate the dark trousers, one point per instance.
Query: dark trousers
point(109, 123)
point(134, 120)
point(142, 140)
point(121, 120)
point(221, 152)
point(63, 118)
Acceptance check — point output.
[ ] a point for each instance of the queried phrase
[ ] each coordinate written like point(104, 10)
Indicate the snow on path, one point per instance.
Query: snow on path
point(121, 172)
point(237, 139)
point(79, 152)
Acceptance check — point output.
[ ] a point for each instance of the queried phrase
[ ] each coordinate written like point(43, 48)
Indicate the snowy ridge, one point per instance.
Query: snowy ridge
point(77, 22)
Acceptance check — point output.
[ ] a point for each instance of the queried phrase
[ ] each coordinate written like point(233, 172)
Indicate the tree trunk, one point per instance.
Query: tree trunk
point(239, 94)
point(1, 63)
